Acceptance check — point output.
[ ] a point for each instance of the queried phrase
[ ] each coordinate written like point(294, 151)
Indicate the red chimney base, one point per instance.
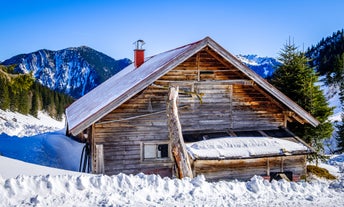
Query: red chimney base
point(139, 57)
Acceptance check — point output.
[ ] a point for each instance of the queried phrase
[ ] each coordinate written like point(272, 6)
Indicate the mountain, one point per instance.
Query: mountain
point(74, 71)
point(264, 66)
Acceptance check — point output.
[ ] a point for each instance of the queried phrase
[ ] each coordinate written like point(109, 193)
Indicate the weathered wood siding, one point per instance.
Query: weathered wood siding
point(205, 103)
point(244, 169)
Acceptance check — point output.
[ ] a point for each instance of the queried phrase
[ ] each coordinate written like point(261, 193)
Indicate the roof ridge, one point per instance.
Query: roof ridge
point(180, 47)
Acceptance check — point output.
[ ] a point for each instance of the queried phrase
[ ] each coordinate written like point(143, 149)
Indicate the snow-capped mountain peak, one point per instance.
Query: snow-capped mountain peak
point(74, 70)
point(264, 66)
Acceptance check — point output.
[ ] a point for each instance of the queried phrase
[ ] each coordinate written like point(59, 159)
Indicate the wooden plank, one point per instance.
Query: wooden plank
point(100, 159)
point(246, 168)
point(198, 66)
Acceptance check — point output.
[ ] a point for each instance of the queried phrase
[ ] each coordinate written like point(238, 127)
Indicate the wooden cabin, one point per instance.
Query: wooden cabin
point(125, 122)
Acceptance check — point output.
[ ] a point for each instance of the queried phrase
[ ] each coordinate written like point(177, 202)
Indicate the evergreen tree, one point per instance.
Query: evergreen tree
point(4, 94)
point(340, 136)
point(19, 92)
point(51, 109)
point(14, 103)
point(340, 127)
point(324, 54)
point(295, 78)
point(23, 104)
point(336, 76)
point(34, 103)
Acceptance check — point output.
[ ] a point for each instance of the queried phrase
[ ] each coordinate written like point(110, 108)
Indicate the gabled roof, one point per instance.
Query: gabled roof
point(116, 90)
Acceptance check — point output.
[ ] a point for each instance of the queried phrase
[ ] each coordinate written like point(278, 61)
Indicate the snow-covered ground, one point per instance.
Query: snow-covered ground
point(26, 184)
point(51, 149)
point(16, 124)
point(51, 187)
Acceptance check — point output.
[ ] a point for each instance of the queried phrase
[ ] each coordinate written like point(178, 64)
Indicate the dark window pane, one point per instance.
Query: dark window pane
point(279, 133)
point(163, 150)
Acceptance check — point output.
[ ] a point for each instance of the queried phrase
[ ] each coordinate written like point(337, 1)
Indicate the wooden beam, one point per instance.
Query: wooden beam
point(208, 82)
point(93, 150)
point(231, 120)
point(214, 55)
point(100, 159)
point(282, 165)
point(175, 134)
point(269, 97)
point(197, 63)
point(290, 114)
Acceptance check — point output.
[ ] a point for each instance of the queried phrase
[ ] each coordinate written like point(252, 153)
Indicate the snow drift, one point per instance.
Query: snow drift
point(152, 190)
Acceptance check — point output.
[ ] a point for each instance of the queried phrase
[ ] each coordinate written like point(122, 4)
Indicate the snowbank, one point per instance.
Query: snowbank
point(11, 168)
point(231, 147)
point(52, 149)
point(152, 190)
point(337, 165)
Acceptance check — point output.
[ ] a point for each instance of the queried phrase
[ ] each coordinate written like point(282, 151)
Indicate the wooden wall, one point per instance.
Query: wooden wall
point(244, 169)
point(214, 96)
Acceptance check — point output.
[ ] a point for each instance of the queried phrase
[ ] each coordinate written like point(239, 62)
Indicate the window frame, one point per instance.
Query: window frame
point(156, 158)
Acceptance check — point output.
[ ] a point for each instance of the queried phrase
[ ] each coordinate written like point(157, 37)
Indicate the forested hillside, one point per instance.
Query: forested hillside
point(20, 92)
point(327, 57)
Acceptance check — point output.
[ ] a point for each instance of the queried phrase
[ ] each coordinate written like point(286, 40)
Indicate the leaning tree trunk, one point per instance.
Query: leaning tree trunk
point(175, 134)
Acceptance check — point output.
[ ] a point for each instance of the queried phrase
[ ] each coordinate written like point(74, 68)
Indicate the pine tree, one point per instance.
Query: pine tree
point(4, 94)
point(15, 98)
point(23, 104)
point(51, 109)
point(340, 126)
point(34, 104)
point(295, 78)
point(340, 136)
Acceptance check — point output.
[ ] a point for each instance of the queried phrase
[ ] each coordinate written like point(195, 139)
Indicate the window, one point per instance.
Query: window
point(155, 151)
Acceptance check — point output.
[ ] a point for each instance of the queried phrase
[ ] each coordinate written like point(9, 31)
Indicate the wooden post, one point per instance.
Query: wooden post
point(231, 124)
point(100, 159)
point(176, 136)
point(197, 63)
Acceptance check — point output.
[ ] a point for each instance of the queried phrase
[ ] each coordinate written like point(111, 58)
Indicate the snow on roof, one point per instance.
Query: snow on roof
point(242, 147)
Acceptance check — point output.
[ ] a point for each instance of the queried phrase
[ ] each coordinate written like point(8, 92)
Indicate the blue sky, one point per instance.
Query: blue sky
point(111, 26)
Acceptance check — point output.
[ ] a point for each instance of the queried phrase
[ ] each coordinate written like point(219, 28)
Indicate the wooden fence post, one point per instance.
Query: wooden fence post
point(176, 136)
